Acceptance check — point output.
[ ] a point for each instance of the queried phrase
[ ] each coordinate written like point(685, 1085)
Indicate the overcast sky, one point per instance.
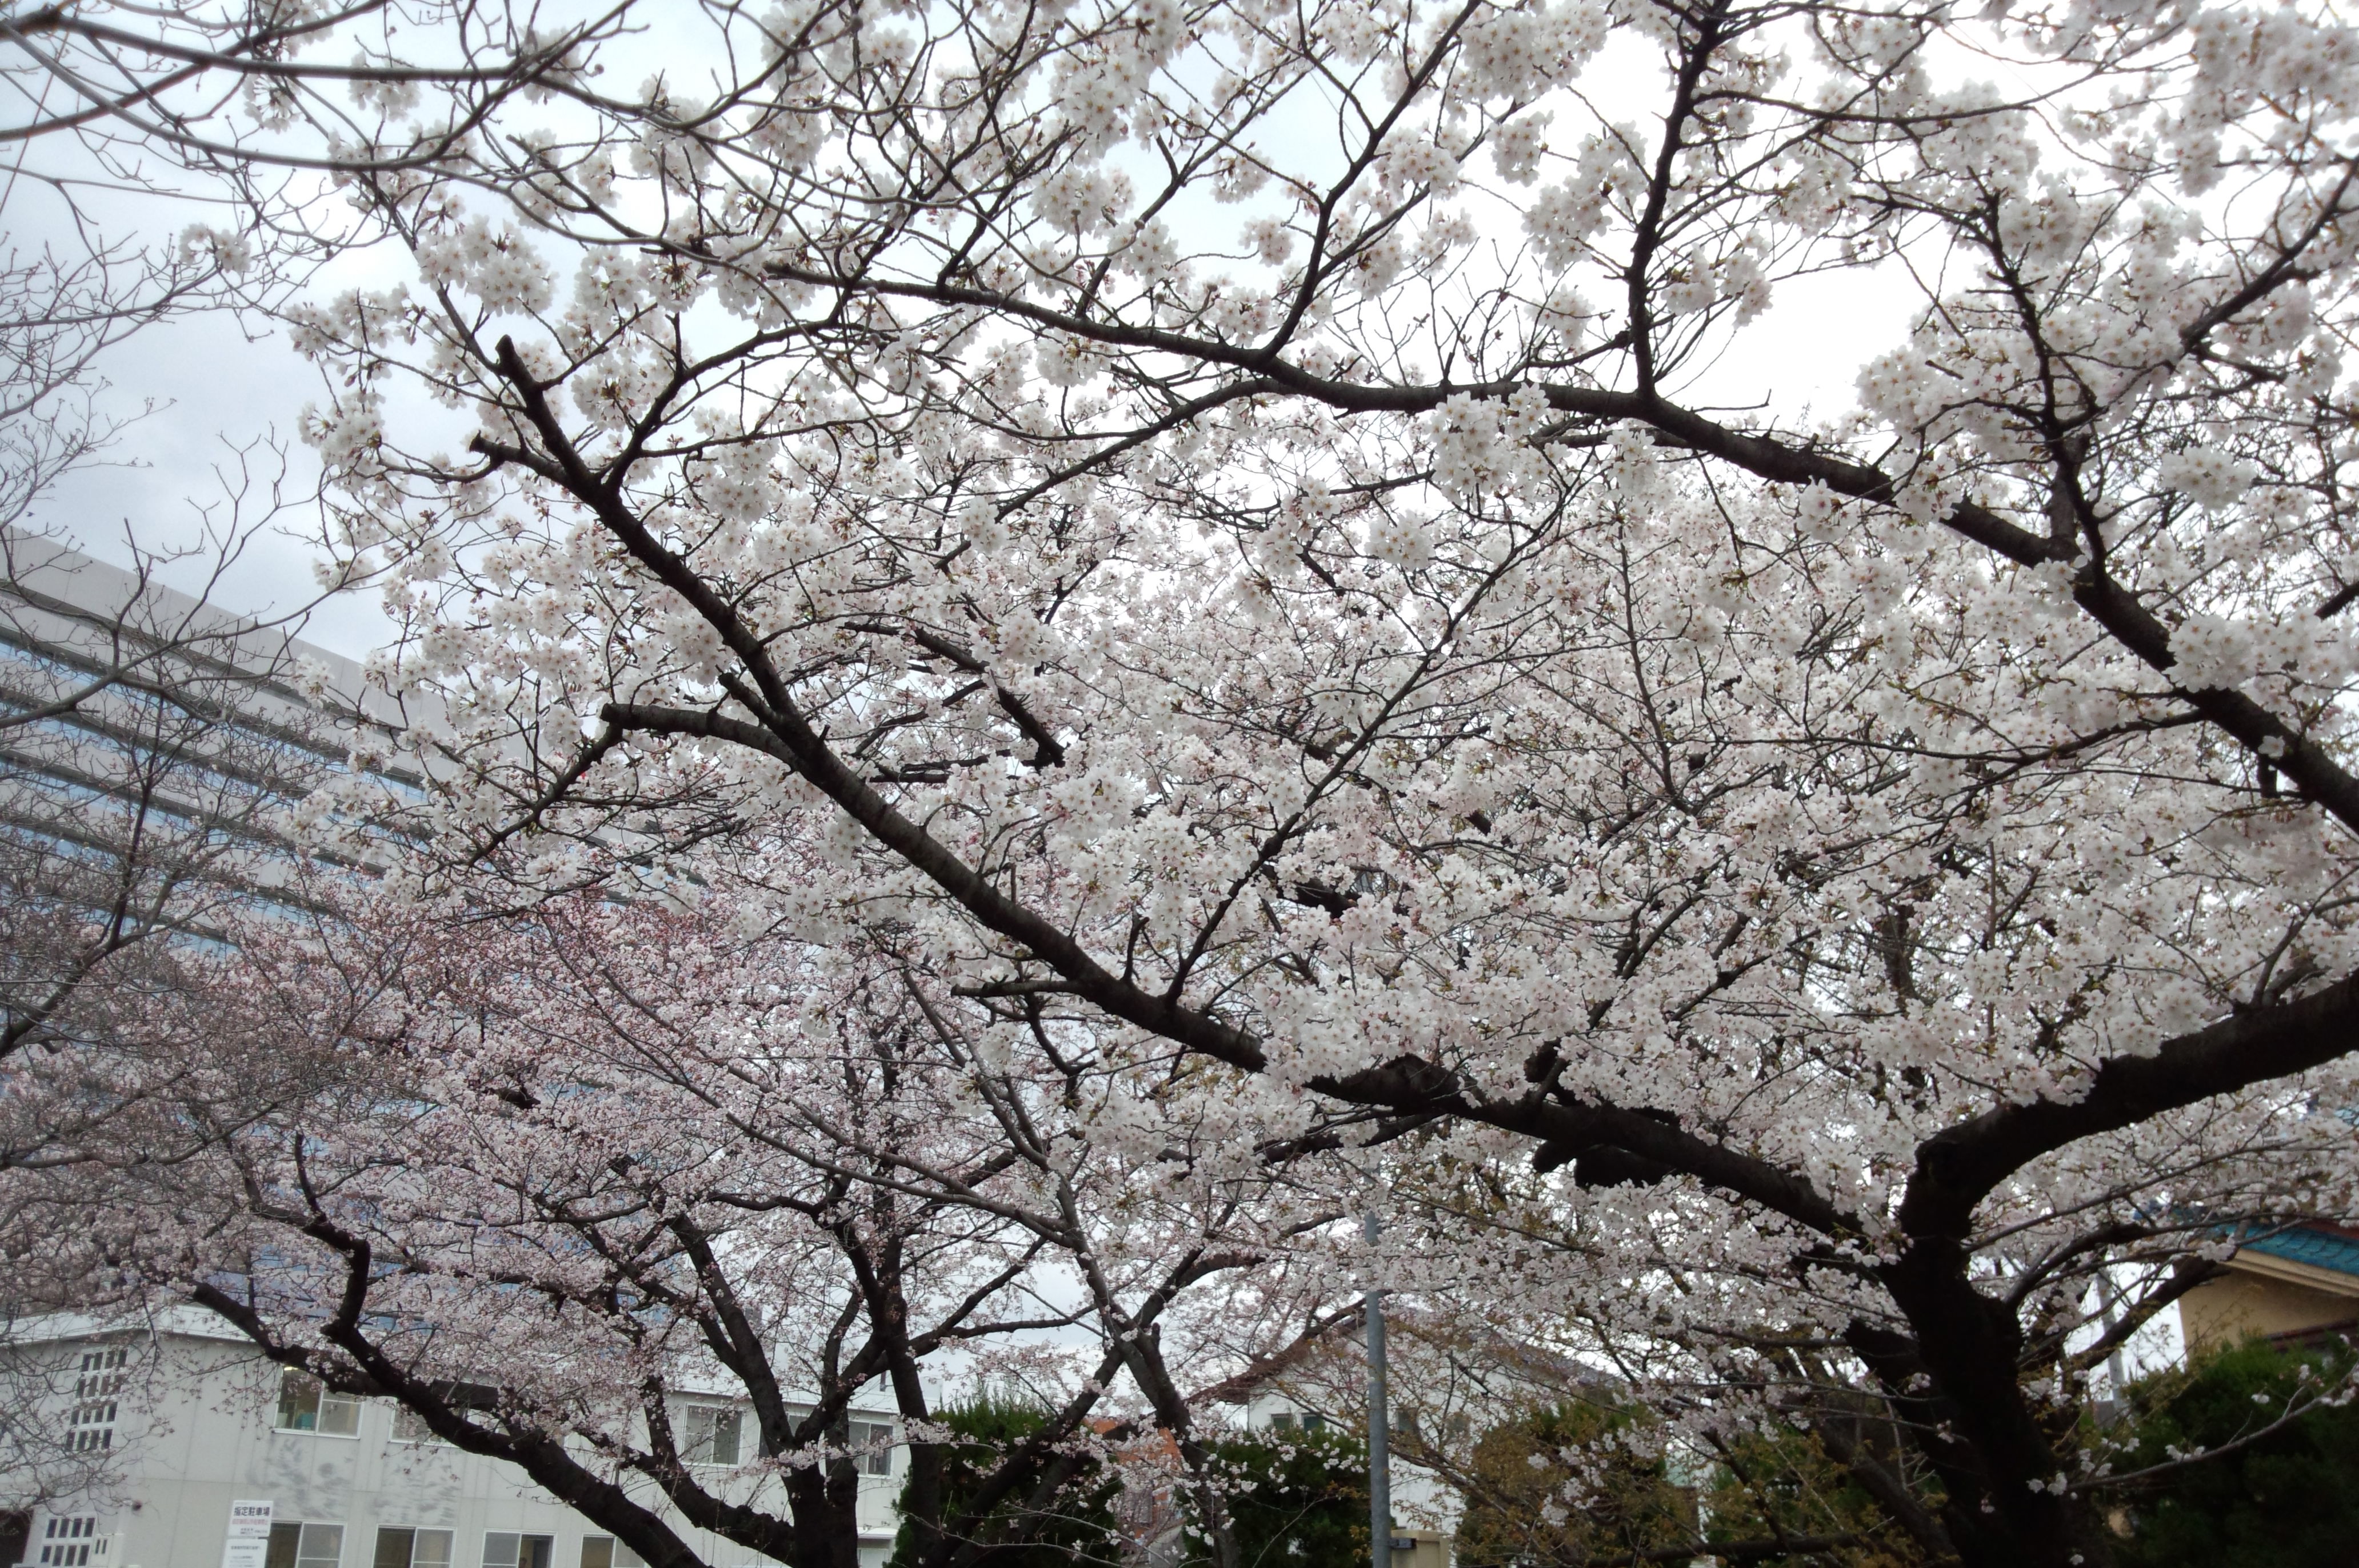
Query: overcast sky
point(219, 394)
point(223, 401)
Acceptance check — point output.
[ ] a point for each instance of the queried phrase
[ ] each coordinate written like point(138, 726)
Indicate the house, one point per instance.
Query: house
point(204, 1455)
point(2288, 1285)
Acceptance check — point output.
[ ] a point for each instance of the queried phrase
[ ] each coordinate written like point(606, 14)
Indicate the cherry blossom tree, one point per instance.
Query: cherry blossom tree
point(556, 1177)
point(167, 160)
point(1248, 534)
point(150, 743)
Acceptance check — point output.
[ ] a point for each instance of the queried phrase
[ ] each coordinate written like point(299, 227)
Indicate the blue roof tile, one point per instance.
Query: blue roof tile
point(2318, 1249)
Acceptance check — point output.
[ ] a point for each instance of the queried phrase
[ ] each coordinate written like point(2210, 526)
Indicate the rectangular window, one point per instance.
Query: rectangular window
point(502, 1549)
point(404, 1546)
point(304, 1405)
point(605, 1551)
point(871, 1447)
point(102, 1371)
point(1282, 1422)
point(709, 1434)
point(294, 1545)
point(90, 1428)
point(67, 1543)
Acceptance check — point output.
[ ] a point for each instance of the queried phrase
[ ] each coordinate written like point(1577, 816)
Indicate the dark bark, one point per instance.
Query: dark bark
point(824, 1499)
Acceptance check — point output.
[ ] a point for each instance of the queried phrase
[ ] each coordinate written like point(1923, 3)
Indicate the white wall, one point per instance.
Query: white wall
point(200, 1434)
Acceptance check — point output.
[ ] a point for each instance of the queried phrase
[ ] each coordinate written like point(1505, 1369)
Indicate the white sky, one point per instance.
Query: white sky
point(218, 392)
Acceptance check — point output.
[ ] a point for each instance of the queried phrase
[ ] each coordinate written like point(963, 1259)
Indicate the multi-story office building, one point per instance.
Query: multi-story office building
point(158, 758)
point(214, 1458)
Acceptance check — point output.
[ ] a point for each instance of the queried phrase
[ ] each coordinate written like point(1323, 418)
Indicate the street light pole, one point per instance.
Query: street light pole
point(1380, 1483)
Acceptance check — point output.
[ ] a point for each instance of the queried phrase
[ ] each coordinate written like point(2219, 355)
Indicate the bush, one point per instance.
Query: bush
point(1299, 1501)
point(1764, 1488)
point(2286, 1500)
point(1515, 1516)
point(1783, 1482)
point(1076, 1527)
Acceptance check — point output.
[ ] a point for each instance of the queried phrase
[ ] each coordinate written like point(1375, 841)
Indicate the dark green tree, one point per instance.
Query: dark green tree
point(2281, 1498)
point(1071, 1525)
point(1295, 1500)
point(1772, 1500)
point(1782, 1486)
point(1514, 1515)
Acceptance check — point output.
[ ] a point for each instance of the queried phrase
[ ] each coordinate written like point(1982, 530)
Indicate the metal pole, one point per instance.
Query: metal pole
point(1380, 1480)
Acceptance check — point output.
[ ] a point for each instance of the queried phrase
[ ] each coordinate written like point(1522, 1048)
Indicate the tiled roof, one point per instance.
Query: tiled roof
point(2317, 1247)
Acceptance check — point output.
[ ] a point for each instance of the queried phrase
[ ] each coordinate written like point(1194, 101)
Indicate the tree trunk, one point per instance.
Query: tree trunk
point(826, 1506)
point(2001, 1513)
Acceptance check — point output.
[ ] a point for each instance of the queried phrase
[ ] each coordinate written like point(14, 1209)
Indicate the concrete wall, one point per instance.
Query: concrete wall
point(201, 1434)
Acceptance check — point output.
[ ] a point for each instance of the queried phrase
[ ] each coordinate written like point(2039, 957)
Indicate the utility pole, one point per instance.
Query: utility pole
point(1380, 1479)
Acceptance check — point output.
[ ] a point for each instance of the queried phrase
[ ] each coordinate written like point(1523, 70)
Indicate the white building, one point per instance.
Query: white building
point(219, 1461)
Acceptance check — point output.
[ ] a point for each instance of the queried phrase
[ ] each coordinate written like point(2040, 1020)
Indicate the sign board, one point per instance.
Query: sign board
point(249, 1534)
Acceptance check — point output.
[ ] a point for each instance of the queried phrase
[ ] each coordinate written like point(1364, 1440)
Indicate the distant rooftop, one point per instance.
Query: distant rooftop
point(2333, 1248)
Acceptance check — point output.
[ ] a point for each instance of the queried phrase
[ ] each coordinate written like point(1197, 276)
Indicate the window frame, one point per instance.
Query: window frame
point(450, 1535)
point(548, 1554)
point(99, 1382)
point(696, 1451)
point(300, 1558)
point(409, 1429)
point(467, 1399)
point(67, 1547)
point(618, 1555)
point(876, 1460)
point(323, 1400)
